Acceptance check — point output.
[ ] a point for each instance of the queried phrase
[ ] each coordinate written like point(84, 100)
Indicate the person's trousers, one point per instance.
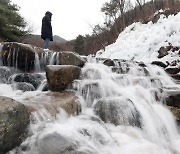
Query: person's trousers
point(46, 42)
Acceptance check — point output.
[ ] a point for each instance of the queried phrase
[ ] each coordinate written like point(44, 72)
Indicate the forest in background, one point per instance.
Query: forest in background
point(118, 15)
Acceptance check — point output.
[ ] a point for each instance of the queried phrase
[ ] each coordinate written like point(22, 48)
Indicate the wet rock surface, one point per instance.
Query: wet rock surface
point(14, 120)
point(23, 86)
point(55, 144)
point(117, 112)
point(60, 76)
point(27, 57)
point(172, 100)
point(34, 79)
point(53, 102)
point(5, 73)
point(159, 63)
point(70, 58)
point(18, 55)
point(109, 62)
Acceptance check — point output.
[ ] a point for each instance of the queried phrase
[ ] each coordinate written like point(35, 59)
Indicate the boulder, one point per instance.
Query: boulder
point(60, 76)
point(14, 120)
point(163, 51)
point(172, 70)
point(120, 70)
point(159, 63)
point(20, 56)
point(109, 62)
point(117, 111)
point(33, 79)
point(55, 143)
point(173, 100)
point(70, 58)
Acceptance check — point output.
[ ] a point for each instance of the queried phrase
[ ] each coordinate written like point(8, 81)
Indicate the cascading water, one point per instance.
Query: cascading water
point(122, 110)
point(37, 63)
point(127, 97)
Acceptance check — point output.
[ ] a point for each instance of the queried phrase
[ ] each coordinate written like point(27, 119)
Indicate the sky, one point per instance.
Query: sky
point(70, 17)
point(141, 42)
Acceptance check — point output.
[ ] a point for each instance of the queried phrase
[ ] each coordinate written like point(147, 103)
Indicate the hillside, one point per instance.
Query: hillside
point(32, 37)
point(142, 42)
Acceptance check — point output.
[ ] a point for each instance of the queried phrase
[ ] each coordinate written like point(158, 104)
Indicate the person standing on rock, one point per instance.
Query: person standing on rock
point(46, 29)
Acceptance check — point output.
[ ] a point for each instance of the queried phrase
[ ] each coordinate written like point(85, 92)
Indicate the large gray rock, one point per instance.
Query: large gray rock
point(60, 76)
point(14, 119)
point(56, 144)
point(34, 79)
point(117, 111)
point(70, 58)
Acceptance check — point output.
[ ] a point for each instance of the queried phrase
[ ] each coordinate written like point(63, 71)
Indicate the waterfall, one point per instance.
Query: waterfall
point(26, 58)
point(53, 58)
point(122, 110)
point(1, 63)
point(37, 63)
point(47, 58)
point(122, 113)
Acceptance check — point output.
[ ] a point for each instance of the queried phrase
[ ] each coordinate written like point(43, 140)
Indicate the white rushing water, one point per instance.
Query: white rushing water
point(132, 100)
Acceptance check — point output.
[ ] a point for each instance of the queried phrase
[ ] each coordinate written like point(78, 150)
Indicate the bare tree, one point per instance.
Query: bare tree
point(141, 3)
point(121, 5)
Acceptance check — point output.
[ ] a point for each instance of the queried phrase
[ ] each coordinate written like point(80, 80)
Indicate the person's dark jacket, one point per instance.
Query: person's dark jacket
point(46, 29)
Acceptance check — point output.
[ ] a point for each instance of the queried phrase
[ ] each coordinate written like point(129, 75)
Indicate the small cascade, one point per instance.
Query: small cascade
point(12, 58)
point(53, 58)
point(57, 58)
point(43, 86)
point(26, 58)
point(1, 62)
point(131, 98)
point(37, 63)
point(48, 58)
